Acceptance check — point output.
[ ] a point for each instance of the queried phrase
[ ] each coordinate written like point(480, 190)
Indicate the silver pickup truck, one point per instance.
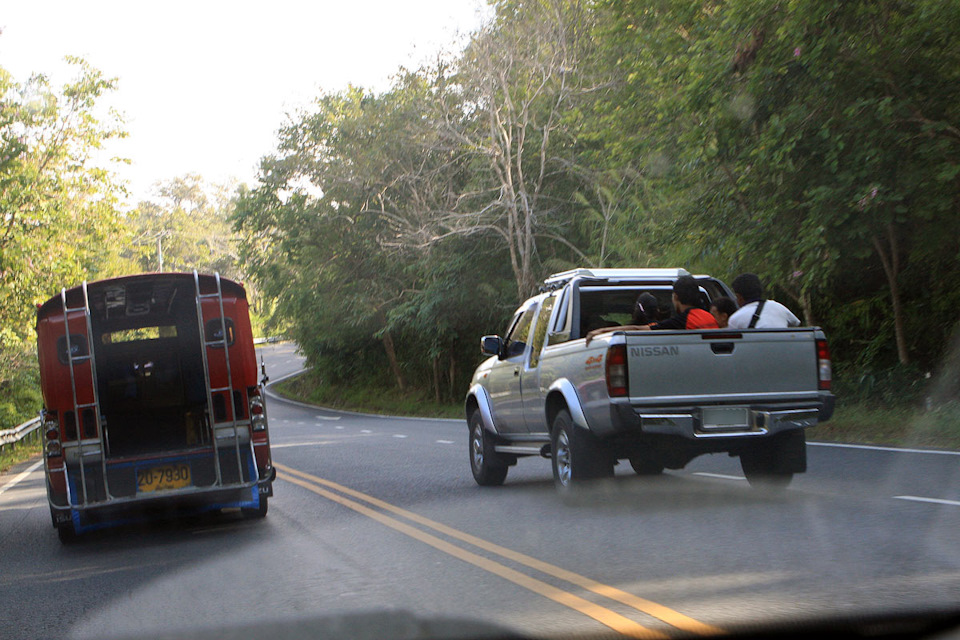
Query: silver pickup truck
point(655, 398)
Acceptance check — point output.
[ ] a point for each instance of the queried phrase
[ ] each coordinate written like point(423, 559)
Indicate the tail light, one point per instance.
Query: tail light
point(51, 433)
point(616, 369)
point(823, 365)
point(258, 414)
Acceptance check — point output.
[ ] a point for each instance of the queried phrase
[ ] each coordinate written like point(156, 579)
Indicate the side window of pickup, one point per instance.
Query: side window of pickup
point(540, 330)
point(560, 332)
point(516, 341)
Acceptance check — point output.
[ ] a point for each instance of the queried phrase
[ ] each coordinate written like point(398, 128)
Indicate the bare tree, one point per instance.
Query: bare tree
point(517, 83)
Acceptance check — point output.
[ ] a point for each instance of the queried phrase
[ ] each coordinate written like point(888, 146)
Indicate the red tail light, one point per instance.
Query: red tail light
point(258, 417)
point(51, 431)
point(823, 365)
point(616, 369)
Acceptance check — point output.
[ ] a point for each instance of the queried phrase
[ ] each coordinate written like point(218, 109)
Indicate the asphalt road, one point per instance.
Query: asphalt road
point(380, 516)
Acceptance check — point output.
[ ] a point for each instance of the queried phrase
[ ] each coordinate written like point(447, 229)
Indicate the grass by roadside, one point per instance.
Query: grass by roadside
point(16, 454)
point(857, 423)
point(387, 401)
point(865, 423)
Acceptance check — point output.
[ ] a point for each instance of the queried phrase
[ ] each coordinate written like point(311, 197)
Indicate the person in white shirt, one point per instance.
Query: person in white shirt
point(772, 314)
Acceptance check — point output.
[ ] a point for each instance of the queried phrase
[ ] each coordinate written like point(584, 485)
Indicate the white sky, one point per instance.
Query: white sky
point(204, 85)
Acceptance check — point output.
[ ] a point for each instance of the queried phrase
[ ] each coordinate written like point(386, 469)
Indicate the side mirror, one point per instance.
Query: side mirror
point(491, 346)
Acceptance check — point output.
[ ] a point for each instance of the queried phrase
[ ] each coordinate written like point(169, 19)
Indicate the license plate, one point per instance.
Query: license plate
point(163, 478)
point(724, 418)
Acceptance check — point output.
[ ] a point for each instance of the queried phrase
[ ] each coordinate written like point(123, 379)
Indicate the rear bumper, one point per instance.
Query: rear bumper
point(117, 513)
point(719, 422)
point(118, 500)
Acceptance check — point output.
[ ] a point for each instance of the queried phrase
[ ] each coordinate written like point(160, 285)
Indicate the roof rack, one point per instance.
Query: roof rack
point(563, 277)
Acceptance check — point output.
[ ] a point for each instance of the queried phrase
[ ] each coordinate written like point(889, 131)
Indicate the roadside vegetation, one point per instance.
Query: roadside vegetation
point(309, 388)
point(816, 144)
point(15, 454)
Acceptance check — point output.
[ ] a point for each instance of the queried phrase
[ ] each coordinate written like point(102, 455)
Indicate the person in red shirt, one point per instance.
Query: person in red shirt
point(686, 298)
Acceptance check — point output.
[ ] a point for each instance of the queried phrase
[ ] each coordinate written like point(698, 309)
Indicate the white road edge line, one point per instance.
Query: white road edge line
point(717, 475)
point(36, 465)
point(952, 503)
point(870, 447)
point(446, 442)
point(270, 393)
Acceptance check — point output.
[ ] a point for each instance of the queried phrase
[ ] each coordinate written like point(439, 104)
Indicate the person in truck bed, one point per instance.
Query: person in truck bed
point(721, 309)
point(686, 297)
point(755, 312)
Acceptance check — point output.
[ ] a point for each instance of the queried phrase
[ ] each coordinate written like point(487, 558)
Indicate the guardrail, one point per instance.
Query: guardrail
point(29, 431)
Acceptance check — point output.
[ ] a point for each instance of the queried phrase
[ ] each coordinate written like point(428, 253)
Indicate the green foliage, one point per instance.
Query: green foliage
point(316, 389)
point(20, 398)
point(816, 144)
point(60, 217)
point(187, 226)
point(813, 143)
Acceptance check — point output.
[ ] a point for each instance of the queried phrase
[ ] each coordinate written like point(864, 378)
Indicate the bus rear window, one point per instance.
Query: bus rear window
point(140, 333)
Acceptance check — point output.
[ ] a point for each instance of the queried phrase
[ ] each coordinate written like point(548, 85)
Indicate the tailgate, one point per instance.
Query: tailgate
point(720, 366)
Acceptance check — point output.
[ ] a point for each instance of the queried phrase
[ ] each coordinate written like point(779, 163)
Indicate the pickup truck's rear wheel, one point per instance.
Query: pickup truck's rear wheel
point(645, 466)
point(576, 455)
point(489, 470)
point(772, 464)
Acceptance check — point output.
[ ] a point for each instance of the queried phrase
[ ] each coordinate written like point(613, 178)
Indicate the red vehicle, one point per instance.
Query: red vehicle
point(151, 400)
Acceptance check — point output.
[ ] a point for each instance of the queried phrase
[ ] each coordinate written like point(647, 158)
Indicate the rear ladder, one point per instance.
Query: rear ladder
point(226, 429)
point(89, 447)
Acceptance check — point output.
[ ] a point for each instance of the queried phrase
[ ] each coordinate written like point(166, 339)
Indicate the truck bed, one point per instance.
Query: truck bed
point(719, 366)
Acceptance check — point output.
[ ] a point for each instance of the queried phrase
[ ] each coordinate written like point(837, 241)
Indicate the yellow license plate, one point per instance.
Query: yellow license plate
point(163, 478)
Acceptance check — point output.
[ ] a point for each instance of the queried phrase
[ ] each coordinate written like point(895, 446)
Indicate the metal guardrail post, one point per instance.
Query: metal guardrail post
point(30, 428)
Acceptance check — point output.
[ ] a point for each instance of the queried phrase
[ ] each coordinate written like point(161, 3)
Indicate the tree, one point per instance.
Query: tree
point(513, 108)
point(60, 217)
point(822, 135)
point(187, 226)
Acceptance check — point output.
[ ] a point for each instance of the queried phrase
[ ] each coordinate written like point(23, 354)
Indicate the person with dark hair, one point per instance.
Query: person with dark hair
point(646, 309)
point(755, 312)
point(686, 301)
point(644, 312)
point(721, 308)
point(686, 298)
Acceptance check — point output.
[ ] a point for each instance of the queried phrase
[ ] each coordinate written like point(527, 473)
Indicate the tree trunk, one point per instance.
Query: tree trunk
point(436, 379)
point(889, 253)
point(806, 306)
point(392, 357)
point(453, 376)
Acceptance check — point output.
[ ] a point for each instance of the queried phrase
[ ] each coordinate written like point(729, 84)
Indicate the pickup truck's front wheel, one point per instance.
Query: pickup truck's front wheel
point(577, 456)
point(489, 470)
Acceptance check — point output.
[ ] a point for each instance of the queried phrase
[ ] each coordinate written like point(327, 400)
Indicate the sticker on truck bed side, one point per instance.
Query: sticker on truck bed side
point(593, 363)
point(649, 352)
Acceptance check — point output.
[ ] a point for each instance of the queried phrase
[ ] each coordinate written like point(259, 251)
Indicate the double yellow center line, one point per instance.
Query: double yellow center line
point(617, 622)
